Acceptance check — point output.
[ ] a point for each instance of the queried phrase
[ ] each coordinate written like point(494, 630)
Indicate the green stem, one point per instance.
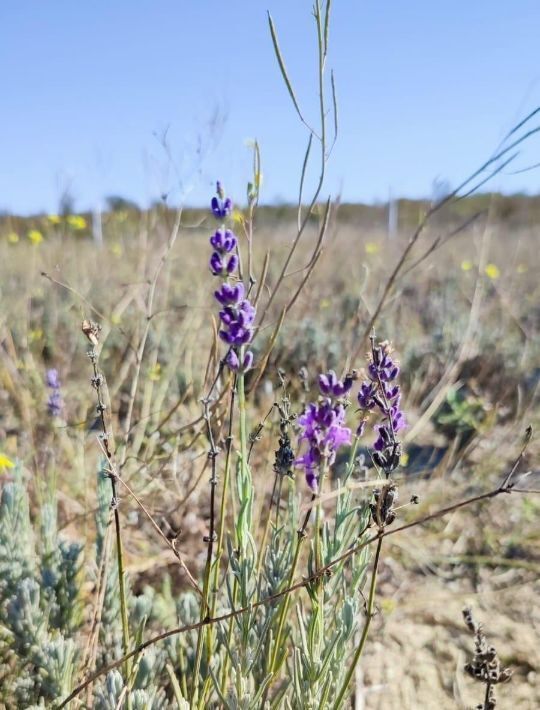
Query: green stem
point(245, 491)
point(225, 669)
point(363, 638)
point(285, 604)
point(211, 570)
point(122, 590)
point(200, 639)
point(267, 526)
point(285, 601)
point(243, 422)
point(319, 556)
point(352, 457)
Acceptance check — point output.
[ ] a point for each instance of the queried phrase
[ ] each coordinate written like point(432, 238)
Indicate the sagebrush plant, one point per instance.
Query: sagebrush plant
point(270, 601)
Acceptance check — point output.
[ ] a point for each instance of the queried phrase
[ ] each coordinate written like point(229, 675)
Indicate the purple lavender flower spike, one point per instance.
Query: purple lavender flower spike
point(55, 402)
point(323, 428)
point(238, 313)
point(378, 393)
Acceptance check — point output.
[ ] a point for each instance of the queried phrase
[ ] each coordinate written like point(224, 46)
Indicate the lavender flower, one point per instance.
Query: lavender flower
point(52, 379)
point(237, 323)
point(221, 205)
point(330, 385)
point(381, 393)
point(237, 315)
point(323, 428)
point(55, 402)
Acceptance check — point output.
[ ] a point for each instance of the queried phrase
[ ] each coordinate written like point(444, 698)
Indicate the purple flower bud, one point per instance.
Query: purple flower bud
point(232, 264)
point(312, 480)
point(366, 395)
point(230, 295)
point(248, 361)
point(216, 264)
point(329, 384)
point(52, 378)
point(54, 401)
point(229, 241)
point(221, 208)
point(232, 360)
point(398, 420)
point(224, 241)
point(324, 384)
point(361, 428)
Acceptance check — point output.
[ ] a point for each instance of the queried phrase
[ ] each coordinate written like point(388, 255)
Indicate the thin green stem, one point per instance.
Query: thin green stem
point(286, 599)
point(122, 589)
point(285, 605)
point(99, 383)
point(223, 504)
point(246, 491)
point(225, 669)
point(267, 526)
point(318, 555)
point(352, 457)
point(365, 630)
point(243, 421)
point(205, 606)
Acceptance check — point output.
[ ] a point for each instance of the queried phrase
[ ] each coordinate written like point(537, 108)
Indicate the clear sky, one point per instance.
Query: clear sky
point(426, 90)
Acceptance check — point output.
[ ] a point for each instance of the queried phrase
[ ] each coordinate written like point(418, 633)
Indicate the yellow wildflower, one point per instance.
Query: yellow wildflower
point(372, 248)
point(492, 271)
point(35, 236)
point(116, 249)
point(238, 217)
point(388, 605)
point(54, 219)
point(5, 461)
point(76, 221)
point(155, 372)
point(13, 237)
point(35, 335)
point(466, 265)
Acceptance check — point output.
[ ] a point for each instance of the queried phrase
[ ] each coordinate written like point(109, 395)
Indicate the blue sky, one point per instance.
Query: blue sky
point(426, 90)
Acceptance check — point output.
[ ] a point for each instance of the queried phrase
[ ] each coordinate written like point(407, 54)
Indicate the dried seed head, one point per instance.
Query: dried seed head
point(91, 330)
